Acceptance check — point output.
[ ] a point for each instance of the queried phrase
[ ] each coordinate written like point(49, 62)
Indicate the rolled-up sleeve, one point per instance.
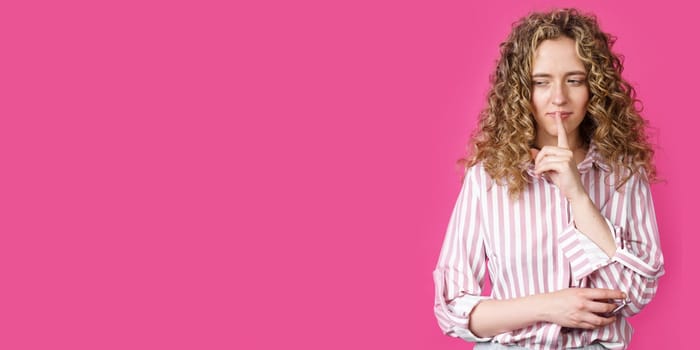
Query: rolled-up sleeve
point(461, 268)
point(638, 261)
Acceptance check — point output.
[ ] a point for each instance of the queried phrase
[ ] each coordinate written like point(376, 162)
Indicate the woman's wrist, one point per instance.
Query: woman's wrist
point(492, 317)
point(579, 198)
point(540, 307)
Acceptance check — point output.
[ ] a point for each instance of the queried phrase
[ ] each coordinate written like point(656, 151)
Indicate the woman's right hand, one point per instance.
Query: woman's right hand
point(582, 307)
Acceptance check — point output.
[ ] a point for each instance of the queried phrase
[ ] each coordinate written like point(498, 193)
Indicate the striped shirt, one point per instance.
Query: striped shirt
point(531, 246)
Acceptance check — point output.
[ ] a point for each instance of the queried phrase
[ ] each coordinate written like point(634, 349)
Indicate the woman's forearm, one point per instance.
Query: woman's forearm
point(570, 307)
point(590, 221)
point(492, 317)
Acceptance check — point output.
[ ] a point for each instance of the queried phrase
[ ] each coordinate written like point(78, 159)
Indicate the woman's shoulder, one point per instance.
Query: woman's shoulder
point(477, 174)
point(475, 169)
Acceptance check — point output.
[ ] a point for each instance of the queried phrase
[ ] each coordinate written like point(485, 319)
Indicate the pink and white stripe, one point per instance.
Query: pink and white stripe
point(530, 246)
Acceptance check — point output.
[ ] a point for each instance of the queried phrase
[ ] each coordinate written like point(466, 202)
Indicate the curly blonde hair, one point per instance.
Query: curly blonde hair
point(506, 129)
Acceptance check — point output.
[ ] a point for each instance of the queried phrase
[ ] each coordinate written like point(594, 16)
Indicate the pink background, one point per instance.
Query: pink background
point(264, 175)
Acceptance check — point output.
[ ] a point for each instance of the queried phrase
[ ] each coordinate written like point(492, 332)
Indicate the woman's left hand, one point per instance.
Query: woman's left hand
point(558, 163)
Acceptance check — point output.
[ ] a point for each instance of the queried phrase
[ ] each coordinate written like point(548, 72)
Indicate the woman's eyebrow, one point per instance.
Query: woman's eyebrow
point(545, 75)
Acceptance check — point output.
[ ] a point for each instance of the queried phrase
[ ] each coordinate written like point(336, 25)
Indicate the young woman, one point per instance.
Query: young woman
point(555, 202)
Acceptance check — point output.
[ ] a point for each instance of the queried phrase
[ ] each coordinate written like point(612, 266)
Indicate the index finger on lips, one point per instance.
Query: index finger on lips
point(562, 140)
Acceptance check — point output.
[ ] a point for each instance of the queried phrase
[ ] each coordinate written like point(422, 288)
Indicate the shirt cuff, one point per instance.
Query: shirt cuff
point(584, 255)
point(463, 306)
point(630, 260)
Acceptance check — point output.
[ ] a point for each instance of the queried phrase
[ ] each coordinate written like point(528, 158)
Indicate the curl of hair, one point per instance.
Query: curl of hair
point(506, 127)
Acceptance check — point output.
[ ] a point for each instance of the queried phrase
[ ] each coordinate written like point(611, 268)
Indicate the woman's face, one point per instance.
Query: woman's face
point(558, 85)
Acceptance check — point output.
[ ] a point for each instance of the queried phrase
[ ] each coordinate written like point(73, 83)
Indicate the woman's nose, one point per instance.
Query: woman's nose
point(558, 94)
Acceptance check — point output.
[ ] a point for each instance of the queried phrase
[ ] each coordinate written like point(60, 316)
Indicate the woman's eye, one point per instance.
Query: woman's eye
point(576, 82)
point(540, 83)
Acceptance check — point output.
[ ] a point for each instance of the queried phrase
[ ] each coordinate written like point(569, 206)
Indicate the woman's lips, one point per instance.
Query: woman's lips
point(563, 114)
